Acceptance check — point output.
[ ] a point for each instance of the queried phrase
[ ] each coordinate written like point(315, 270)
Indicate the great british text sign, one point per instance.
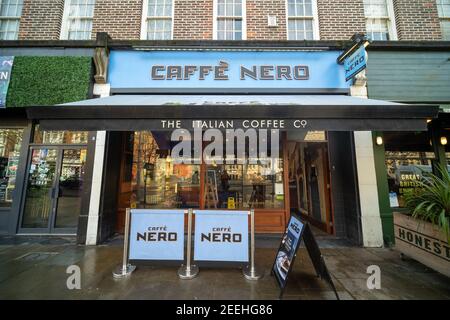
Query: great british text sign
point(151, 71)
point(157, 235)
point(221, 236)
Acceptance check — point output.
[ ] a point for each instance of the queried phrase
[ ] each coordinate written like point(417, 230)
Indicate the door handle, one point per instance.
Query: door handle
point(53, 193)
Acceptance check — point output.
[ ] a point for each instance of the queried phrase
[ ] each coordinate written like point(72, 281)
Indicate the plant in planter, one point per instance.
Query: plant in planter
point(431, 201)
point(424, 234)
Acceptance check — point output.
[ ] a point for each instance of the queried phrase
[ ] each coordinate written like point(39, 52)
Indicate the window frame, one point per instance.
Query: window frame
point(391, 23)
point(13, 18)
point(146, 17)
point(441, 19)
point(314, 18)
point(216, 18)
point(64, 35)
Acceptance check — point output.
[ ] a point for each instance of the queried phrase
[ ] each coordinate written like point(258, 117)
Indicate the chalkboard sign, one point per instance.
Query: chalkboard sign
point(297, 230)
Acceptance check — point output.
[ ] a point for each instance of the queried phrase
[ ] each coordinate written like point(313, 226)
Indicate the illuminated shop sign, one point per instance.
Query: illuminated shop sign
point(143, 71)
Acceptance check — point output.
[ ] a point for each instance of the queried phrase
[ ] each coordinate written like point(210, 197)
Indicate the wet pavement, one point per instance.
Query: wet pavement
point(35, 268)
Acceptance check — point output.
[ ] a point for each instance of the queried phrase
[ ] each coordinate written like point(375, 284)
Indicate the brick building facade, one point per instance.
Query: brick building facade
point(337, 19)
point(340, 19)
point(120, 19)
point(41, 20)
point(186, 12)
point(417, 20)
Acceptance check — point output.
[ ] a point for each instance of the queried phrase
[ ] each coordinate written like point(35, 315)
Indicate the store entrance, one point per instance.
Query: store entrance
point(54, 190)
point(309, 178)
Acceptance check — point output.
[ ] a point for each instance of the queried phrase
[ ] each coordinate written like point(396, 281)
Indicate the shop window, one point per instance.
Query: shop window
point(229, 20)
point(380, 23)
point(77, 20)
point(157, 20)
point(302, 20)
point(59, 137)
point(443, 7)
point(10, 12)
point(408, 158)
point(10, 142)
point(156, 181)
point(243, 186)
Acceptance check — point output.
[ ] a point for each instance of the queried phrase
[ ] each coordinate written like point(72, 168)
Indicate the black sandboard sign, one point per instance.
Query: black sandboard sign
point(297, 230)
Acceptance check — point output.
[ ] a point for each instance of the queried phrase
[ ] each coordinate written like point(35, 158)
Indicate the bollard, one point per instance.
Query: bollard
point(250, 271)
point(125, 269)
point(188, 271)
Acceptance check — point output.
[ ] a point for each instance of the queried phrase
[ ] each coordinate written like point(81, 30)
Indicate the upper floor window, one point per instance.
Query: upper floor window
point(301, 16)
point(443, 7)
point(157, 23)
point(230, 20)
point(77, 20)
point(10, 12)
point(379, 19)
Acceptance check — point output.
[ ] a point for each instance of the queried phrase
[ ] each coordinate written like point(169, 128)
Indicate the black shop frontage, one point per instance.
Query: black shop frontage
point(271, 129)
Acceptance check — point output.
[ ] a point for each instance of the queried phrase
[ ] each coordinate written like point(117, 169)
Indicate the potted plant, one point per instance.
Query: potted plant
point(424, 233)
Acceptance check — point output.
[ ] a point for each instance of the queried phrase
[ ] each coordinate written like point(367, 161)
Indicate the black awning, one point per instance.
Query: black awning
point(318, 112)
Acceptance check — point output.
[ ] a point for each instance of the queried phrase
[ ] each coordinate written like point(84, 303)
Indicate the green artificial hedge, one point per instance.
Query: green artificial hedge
point(39, 81)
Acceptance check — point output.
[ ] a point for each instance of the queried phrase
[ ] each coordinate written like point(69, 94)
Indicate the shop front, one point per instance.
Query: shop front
point(44, 175)
point(268, 129)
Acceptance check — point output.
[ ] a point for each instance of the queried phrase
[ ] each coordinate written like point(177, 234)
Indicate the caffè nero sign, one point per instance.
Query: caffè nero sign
point(221, 70)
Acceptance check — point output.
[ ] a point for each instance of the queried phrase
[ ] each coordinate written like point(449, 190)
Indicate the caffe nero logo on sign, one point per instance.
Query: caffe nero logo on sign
point(221, 234)
point(220, 72)
point(159, 233)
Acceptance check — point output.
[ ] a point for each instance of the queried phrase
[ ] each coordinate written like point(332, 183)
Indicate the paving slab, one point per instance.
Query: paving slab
point(37, 270)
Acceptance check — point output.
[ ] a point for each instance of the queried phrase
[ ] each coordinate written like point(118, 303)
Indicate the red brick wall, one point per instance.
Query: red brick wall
point(193, 19)
point(417, 20)
point(41, 20)
point(340, 19)
point(121, 19)
point(257, 12)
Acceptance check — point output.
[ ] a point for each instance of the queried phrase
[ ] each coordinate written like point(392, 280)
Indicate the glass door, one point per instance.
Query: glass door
point(69, 190)
point(54, 189)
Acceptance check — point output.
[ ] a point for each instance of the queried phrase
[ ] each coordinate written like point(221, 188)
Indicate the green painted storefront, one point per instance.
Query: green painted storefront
point(406, 76)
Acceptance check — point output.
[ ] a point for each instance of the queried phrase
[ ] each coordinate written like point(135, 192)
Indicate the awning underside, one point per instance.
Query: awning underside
point(322, 112)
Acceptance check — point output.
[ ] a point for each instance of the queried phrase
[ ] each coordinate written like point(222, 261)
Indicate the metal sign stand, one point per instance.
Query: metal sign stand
point(250, 271)
point(188, 271)
point(125, 269)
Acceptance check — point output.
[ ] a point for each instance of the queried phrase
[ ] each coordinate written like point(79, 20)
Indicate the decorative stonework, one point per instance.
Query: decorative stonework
point(101, 60)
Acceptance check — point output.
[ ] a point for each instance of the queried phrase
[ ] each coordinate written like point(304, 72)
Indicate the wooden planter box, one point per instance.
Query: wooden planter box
point(423, 242)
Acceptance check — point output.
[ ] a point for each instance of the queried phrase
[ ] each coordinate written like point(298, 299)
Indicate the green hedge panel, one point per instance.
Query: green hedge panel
point(39, 81)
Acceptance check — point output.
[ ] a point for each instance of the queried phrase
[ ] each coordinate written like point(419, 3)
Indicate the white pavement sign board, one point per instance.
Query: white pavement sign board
point(157, 235)
point(221, 236)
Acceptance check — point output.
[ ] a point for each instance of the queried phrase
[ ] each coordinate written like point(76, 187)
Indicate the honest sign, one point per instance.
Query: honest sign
point(157, 235)
point(221, 236)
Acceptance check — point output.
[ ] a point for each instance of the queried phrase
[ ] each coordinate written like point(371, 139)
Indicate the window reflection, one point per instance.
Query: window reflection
point(10, 142)
point(408, 156)
point(59, 137)
point(156, 181)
